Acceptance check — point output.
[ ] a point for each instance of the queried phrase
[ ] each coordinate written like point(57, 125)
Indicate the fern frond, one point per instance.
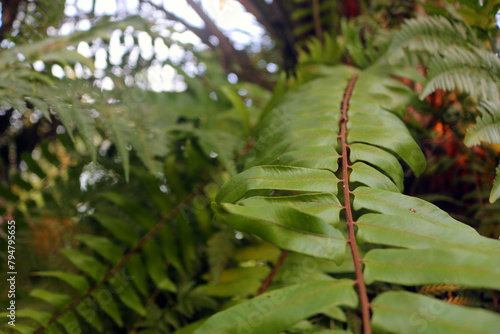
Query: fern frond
point(430, 34)
point(458, 300)
point(438, 289)
point(472, 72)
point(328, 53)
point(220, 248)
point(290, 195)
point(487, 127)
point(495, 190)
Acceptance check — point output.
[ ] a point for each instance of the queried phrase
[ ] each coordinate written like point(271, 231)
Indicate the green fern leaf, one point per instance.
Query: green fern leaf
point(57, 299)
point(126, 293)
point(472, 72)
point(290, 305)
point(41, 317)
point(430, 34)
point(495, 191)
point(137, 270)
point(86, 310)
point(466, 267)
point(103, 246)
point(76, 281)
point(106, 302)
point(156, 267)
point(294, 206)
point(405, 312)
point(70, 322)
point(219, 249)
point(118, 228)
point(85, 263)
point(487, 127)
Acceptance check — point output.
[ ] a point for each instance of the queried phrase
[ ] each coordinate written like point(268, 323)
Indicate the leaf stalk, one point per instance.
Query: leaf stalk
point(363, 296)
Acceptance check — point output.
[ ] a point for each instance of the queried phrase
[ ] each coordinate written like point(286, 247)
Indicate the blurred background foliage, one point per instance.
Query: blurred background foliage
point(114, 112)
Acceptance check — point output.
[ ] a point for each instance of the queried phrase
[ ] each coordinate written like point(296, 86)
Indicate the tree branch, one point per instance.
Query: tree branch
point(201, 33)
point(277, 25)
point(246, 68)
point(10, 9)
point(230, 56)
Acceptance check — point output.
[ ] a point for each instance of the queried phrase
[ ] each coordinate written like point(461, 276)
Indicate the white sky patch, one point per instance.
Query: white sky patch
point(176, 54)
point(131, 5)
point(183, 10)
point(164, 78)
point(105, 7)
point(240, 25)
point(187, 37)
point(100, 59)
point(67, 28)
point(85, 5)
point(145, 43)
point(116, 48)
point(161, 49)
point(57, 71)
point(107, 84)
point(84, 49)
point(39, 65)
point(232, 19)
point(84, 25)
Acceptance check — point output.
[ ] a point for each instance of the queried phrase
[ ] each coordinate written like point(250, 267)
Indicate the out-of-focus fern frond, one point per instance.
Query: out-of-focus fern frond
point(487, 127)
point(430, 34)
point(55, 47)
point(474, 72)
point(457, 59)
point(327, 53)
point(495, 191)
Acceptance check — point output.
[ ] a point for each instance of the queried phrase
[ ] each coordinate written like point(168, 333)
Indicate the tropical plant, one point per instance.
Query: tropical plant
point(319, 206)
point(320, 184)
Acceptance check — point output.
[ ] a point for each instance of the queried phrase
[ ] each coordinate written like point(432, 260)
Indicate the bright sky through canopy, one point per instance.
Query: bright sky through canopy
point(240, 26)
point(231, 18)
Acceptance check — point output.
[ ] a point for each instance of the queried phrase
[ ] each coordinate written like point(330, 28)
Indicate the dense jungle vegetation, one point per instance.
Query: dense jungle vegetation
point(332, 169)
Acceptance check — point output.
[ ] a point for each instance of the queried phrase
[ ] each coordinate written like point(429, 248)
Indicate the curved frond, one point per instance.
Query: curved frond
point(430, 34)
point(346, 129)
point(474, 72)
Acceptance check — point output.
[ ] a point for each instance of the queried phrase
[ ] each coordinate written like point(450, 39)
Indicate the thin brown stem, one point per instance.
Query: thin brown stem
point(127, 256)
point(270, 277)
point(363, 295)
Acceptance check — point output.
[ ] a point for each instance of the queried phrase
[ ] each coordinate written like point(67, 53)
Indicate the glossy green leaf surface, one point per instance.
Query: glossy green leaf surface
point(279, 178)
point(405, 312)
point(405, 206)
point(277, 310)
point(470, 268)
point(288, 228)
point(413, 232)
point(378, 157)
